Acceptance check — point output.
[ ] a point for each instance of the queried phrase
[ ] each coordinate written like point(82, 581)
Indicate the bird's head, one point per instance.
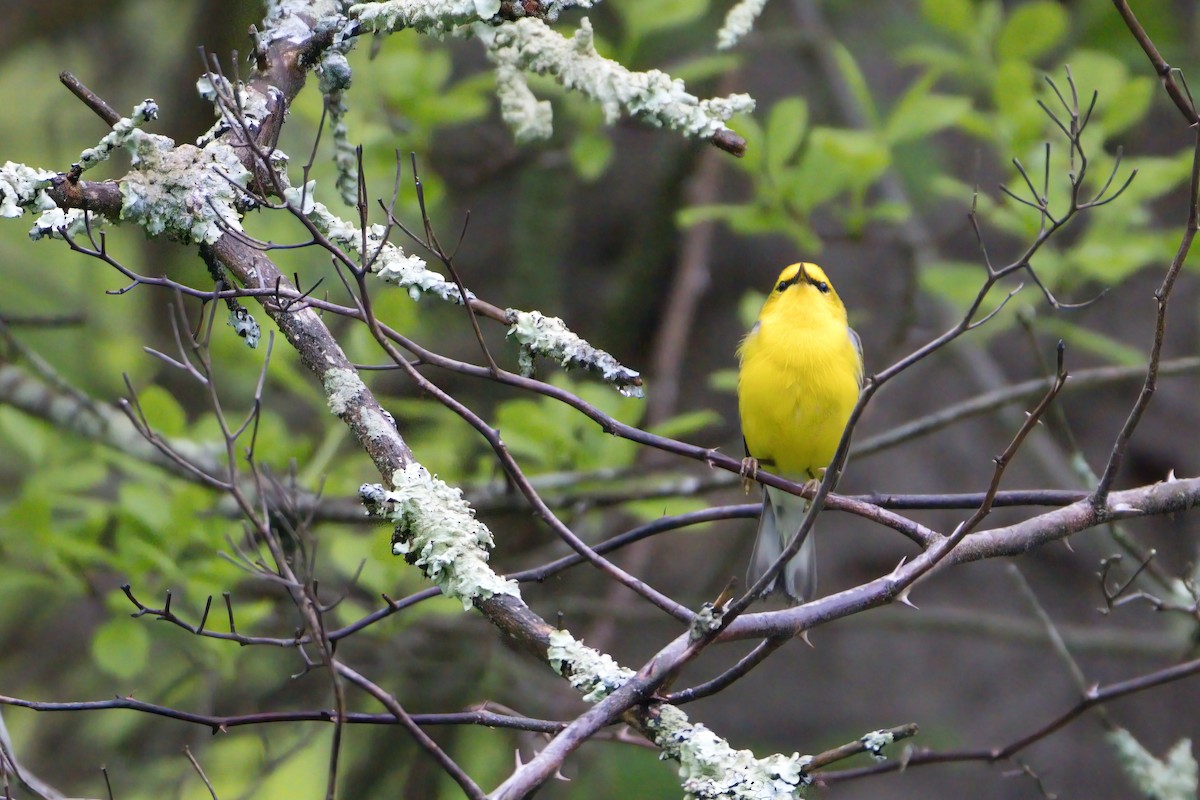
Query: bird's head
point(804, 288)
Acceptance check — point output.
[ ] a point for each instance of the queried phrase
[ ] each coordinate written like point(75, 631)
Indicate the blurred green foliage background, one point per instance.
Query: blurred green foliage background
point(934, 98)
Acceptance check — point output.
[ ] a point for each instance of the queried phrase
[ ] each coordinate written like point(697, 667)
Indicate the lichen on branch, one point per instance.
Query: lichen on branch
point(427, 16)
point(436, 531)
point(549, 337)
point(709, 768)
point(739, 22)
point(653, 97)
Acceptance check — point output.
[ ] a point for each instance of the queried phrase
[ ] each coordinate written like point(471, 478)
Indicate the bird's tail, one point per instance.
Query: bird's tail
point(781, 516)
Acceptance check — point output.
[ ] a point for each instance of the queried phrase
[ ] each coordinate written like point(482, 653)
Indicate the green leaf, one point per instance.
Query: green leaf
point(1032, 30)
point(683, 424)
point(641, 18)
point(1100, 344)
point(591, 152)
point(837, 160)
point(1110, 254)
point(955, 17)
point(1022, 119)
point(749, 306)
point(723, 380)
point(149, 504)
point(687, 217)
point(706, 67)
point(935, 58)
point(23, 432)
point(1125, 106)
point(162, 411)
point(856, 82)
point(956, 281)
point(920, 113)
point(120, 647)
point(650, 510)
point(785, 130)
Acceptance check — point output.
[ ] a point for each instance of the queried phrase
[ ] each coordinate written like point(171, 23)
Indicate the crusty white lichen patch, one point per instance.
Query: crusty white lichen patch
point(739, 22)
point(247, 102)
point(388, 261)
point(875, 741)
point(341, 387)
point(710, 769)
point(654, 97)
point(549, 337)
point(184, 191)
point(1171, 778)
point(23, 188)
point(594, 674)
point(143, 112)
point(526, 116)
point(427, 16)
point(244, 324)
point(436, 530)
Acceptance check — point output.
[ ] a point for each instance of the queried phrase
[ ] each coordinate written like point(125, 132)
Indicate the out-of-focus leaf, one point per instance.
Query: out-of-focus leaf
point(649, 510)
point(1018, 116)
point(120, 647)
point(703, 68)
point(1031, 30)
point(642, 18)
point(785, 130)
point(591, 152)
point(934, 58)
point(857, 83)
point(920, 113)
point(723, 380)
point(23, 432)
point(683, 424)
point(1127, 105)
point(955, 17)
point(1093, 342)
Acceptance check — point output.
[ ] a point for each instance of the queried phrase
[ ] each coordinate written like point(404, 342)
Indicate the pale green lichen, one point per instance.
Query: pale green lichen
point(593, 674)
point(293, 19)
point(436, 530)
point(342, 386)
point(1172, 778)
point(739, 22)
point(23, 188)
point(252, 105)
point(335, 78)
point(707, 621)
point(654, 97)
point(57, 223)
point(549, 337)
point(526, 116)
point(376, 423)
point(244, 324)
point(875, 741)
point(388, 261)
point(143, 112)
point(428, 16)
point(186, 192)
point(710, 769)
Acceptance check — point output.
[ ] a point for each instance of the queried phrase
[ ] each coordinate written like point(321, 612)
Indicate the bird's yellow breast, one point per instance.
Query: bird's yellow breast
point(798, 383)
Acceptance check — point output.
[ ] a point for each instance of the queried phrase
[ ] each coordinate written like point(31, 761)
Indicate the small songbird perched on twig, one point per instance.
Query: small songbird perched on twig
point(800, 376)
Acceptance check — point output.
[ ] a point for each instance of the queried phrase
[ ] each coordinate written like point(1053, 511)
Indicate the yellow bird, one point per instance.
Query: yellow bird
point(800, 376)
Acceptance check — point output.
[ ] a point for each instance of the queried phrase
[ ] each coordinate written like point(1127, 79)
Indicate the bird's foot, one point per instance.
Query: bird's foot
point(814, 483)
point(749, 472)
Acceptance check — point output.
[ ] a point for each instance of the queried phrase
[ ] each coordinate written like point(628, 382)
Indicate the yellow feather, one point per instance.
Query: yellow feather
point(800, 374)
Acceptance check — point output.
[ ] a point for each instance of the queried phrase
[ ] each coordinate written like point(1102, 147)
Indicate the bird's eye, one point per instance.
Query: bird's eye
point(822, 287)
point(782, 285)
